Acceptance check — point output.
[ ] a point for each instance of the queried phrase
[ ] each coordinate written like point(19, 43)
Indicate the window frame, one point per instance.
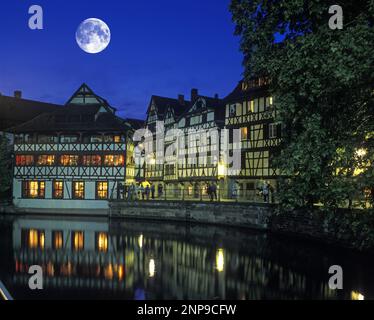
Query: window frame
point(73, 189)
point(26, 189)
point(54, 189)
point(97, 196)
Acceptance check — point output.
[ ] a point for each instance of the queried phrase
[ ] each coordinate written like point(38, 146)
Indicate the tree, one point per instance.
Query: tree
point(5, 165)
point(322, 83)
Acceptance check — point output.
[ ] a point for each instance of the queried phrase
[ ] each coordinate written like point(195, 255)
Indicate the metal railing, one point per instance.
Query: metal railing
point(197, 194)
point(4, 294)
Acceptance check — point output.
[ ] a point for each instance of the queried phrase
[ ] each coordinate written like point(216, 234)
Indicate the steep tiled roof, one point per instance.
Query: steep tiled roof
point(239, 94)
point(163, 103)
point(72, 118)
point(14, 111)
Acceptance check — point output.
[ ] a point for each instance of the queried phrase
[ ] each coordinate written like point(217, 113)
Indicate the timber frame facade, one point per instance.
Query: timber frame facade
point(75, 157)
point(186, 158)
point(248, 109)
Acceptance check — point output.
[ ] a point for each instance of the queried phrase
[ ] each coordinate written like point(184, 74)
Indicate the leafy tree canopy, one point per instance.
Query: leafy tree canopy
point(322, 83)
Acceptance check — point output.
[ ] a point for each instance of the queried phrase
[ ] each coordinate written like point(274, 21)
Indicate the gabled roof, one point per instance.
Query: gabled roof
point(214, 104)
point(135, 124)
point(85, 96)
point(163, 104)
point(244, 90)
point(73, 118)
point(14, 111)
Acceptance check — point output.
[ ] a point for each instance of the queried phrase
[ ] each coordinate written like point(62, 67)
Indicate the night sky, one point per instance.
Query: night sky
point(162, 47)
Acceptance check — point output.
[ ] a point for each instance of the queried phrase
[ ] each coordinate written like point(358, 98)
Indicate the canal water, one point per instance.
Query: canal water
point(94, 258)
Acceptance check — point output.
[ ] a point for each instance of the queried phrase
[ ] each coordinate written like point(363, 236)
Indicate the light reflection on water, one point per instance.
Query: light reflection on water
point(95, 259)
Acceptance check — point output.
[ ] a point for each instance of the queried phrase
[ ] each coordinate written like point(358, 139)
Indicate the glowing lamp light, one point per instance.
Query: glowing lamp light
point(103, 242)
point(361, 152)
point(355, 295)
point(220, 260)
point(221, 169)
point(120, 272)
point(140, 241)
point(152, 268)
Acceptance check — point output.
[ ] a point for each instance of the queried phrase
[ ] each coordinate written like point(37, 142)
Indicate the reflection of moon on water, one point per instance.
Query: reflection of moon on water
point(93, 35)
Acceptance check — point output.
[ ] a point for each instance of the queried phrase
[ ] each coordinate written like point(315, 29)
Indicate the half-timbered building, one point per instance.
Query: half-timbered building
point(162, 116)
point(250, 109)
point(199, 148)
point(186, 143)
point(74, 157)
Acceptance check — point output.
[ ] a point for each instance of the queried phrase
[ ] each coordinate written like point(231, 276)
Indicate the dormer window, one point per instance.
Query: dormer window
point(69, 138)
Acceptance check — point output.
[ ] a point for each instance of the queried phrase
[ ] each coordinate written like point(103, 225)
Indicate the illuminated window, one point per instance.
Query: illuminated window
point(244, 133)
point(77, 240)
point(102, 241)
point(114, 160)
point(252, 106)
point(78, 190)
point(69, 160)
point(46, 160)
point(33, 189)
point(92, 161)
point(102, 190)
point(23, 160)
point(58, 189)
point(111, 139)
point(35, 239)
point(58, 240)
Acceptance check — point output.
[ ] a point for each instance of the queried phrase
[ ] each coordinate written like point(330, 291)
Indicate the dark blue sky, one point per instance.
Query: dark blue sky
point(162, 47)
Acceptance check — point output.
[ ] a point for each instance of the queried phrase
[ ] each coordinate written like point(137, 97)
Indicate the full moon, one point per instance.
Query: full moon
point(93, 35)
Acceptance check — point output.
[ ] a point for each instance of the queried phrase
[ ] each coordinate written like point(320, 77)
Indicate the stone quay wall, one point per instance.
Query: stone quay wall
point(255, 216)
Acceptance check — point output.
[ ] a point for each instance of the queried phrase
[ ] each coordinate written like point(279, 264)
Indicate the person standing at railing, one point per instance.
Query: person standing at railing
point(209, 192)
point(142, 191)
point(234, 192)
point(160, 190)
point(153, 190)
point(147, 192)
point(131, 192)
point(266, 191)
point(213, 189)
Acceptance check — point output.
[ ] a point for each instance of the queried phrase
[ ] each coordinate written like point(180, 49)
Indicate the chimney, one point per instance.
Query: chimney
point(18, 94)
point(194, 95)
point(181, 99)
point(216, 96)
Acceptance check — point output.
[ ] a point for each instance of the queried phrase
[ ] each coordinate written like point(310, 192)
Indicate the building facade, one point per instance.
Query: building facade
point(190, 149)
point(75, 157)
point(250, 109)
point(184, 146)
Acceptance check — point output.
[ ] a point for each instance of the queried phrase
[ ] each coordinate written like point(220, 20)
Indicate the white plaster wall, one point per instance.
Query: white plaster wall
point(66, 203)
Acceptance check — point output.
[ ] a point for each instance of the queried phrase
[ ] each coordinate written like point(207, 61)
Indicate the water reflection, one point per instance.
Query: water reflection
point(137, 260)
